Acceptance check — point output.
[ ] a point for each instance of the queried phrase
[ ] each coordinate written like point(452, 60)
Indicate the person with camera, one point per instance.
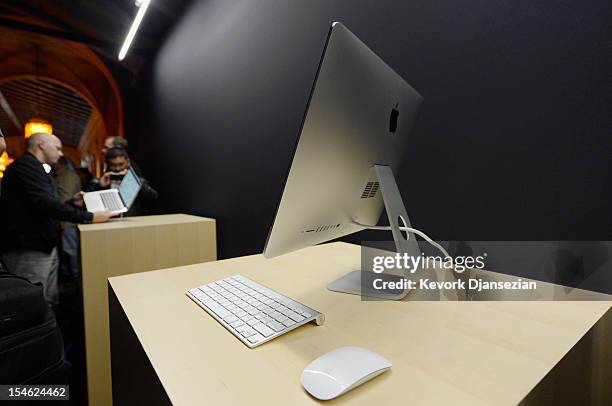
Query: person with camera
point(117, 164)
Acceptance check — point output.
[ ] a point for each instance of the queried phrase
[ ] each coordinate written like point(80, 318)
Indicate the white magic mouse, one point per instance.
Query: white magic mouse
point(341, 370)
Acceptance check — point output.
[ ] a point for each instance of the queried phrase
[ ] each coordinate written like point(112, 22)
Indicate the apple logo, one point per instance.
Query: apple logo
point(393, 119)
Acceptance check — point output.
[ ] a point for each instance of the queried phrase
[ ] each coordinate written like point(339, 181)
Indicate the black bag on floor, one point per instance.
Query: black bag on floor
point(22, 304)
point(31, 345)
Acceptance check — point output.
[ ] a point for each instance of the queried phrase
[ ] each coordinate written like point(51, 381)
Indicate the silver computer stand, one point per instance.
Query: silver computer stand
point(353, 282)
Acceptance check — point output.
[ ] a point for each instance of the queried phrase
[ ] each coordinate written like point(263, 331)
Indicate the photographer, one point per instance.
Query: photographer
point(117, 165)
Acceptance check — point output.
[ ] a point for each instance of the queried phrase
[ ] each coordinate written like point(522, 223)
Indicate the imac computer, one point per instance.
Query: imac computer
point(353, 137)
point(354, 134)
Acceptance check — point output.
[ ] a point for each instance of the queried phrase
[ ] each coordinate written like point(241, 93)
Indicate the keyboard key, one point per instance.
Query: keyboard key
point(281, 318)
point(247, 332)
point(288, 323)
point(246, 317)
point(217, 309)
point(296, 317)
point(240, 313)
point(266, 319)
point(276, 326)
point(255, 338)
point(306, 315)
point(274, 314)
point(252, 322)
point(237, 323)
point(230, 319)
point(263, 329)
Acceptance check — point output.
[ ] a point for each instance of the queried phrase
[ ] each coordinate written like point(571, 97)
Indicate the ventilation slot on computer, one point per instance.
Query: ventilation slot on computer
point(322, 228)
point(370, 190)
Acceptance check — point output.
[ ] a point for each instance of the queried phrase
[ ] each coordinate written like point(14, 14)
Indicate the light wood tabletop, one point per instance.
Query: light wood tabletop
point(124, 246)
point(443, 353)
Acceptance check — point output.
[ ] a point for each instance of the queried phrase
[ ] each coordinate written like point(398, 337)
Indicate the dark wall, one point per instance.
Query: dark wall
point(513, 143)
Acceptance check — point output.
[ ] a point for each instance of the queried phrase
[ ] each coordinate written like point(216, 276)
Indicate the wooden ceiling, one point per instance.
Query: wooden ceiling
point(57, 58)
point(28, 97)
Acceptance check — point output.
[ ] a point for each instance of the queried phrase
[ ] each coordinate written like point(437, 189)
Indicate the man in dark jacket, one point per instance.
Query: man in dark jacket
point(117, 163)
point(30, 211)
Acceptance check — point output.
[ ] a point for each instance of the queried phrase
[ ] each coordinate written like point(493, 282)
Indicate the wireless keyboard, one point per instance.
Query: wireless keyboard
point(253, 313)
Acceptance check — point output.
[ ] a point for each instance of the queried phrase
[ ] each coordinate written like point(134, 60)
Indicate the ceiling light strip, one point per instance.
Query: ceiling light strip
point(130, 36)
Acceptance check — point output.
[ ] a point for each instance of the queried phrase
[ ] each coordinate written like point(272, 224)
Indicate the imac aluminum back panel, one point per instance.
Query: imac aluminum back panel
point(360, 114)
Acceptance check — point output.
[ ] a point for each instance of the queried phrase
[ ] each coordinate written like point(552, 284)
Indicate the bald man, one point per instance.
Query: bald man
point(30, 212)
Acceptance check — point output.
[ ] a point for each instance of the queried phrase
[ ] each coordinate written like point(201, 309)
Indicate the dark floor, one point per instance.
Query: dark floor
point(69, 315)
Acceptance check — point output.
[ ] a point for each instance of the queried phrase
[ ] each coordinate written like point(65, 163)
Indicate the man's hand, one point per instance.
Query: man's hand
point(102, 216)
point(77, 199)
point(105, 179)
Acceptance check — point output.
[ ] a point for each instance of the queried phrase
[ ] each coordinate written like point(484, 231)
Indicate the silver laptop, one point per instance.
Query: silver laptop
point(117, 200)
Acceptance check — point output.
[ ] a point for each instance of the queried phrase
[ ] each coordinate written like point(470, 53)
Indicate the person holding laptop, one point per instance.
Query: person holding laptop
point(118, 164)
point(30, 214)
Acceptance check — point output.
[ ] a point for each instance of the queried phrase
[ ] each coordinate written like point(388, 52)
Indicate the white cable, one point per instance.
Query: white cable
point(409, 229)
point(429, 240)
